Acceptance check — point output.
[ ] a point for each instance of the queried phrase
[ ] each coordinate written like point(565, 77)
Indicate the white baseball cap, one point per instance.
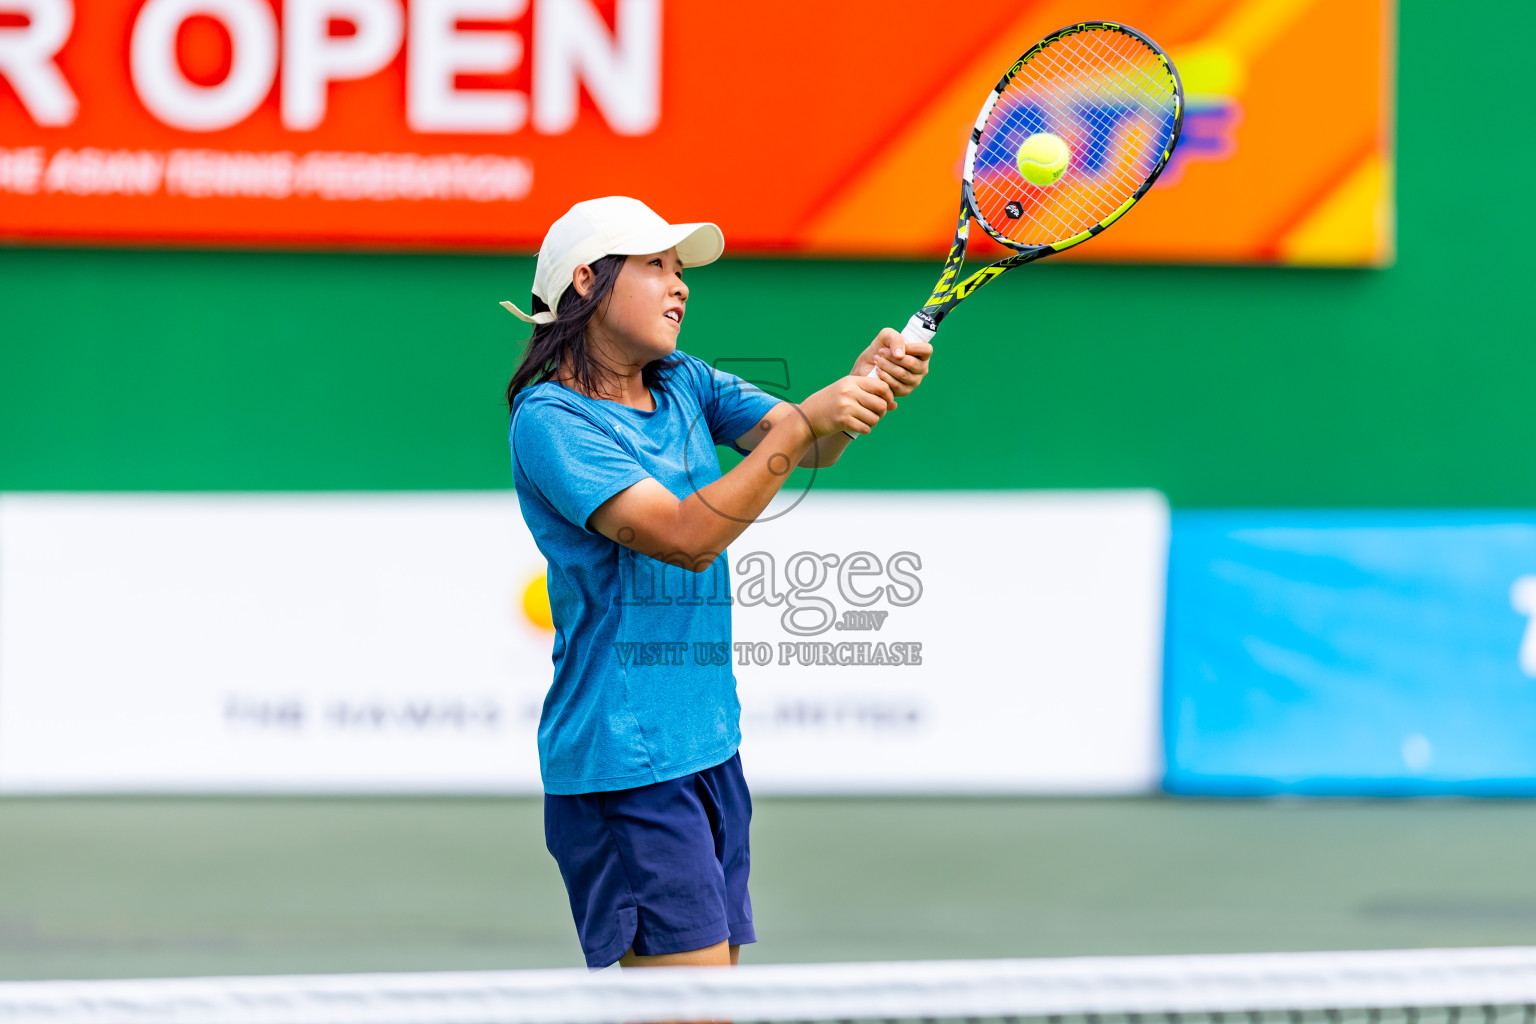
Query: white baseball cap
point(611, 226)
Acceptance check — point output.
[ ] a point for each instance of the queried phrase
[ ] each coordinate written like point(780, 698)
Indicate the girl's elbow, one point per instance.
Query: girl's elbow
point(694, 549)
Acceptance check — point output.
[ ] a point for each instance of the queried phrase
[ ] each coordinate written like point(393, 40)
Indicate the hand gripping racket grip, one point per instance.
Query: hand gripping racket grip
point(917, 329)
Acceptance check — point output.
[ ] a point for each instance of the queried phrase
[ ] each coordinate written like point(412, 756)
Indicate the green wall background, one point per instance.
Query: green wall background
point(176, 370)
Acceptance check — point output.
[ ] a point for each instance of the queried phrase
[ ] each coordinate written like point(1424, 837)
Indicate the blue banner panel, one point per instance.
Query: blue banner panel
point(1370, 653)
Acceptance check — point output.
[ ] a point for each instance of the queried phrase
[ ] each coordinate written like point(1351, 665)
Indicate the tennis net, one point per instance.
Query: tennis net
point(1435, 986)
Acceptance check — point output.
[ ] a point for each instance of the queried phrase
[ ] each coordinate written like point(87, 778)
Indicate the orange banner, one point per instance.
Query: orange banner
point(798, 126)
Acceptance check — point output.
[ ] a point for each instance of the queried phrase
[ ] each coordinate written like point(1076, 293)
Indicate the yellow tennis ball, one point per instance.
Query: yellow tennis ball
point(536, 603)
point(1043, 159)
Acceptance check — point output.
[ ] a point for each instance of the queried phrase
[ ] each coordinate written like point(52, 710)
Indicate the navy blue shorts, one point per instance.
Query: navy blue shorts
point(662, 868)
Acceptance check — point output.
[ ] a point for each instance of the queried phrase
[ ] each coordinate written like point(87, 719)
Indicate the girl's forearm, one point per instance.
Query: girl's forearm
point(826, 451)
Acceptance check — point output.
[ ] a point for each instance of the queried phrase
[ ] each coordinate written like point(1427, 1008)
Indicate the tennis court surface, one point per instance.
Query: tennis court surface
point(125, 888)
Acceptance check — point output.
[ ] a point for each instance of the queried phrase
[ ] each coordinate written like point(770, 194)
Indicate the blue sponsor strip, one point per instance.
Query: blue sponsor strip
point(1368, 653)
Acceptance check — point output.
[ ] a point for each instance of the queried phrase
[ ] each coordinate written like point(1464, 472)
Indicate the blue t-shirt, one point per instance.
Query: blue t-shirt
point(643, 689)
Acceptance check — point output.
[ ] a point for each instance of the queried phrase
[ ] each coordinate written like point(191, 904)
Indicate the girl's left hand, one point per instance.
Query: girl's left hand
point(902, 363)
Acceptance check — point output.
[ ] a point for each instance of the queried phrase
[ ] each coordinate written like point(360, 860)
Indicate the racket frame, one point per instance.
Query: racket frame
point(950, 289)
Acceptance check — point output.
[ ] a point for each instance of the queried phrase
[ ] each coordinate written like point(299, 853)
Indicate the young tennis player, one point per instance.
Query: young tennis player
point(613, 433)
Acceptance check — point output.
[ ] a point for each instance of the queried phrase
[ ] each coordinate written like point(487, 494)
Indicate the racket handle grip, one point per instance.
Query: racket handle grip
point(917, 329)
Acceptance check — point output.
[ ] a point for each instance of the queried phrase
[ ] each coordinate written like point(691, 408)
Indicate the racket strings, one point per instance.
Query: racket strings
point(1090, 129)
point(1073, 207)
point(1083, 78)
point(1015, 121)
point(1013, 134)
point(1111, 99)
point(1102, 127)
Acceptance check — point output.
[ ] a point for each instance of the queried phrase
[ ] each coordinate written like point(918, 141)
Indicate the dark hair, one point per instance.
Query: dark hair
point(566, 338)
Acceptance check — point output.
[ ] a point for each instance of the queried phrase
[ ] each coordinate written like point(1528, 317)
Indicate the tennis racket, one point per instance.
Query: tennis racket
point(1114, 99)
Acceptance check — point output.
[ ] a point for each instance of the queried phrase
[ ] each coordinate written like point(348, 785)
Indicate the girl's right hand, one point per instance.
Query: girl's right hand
point(854, 404)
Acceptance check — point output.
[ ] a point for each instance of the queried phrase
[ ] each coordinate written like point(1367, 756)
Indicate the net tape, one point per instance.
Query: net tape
point(1294, 984)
